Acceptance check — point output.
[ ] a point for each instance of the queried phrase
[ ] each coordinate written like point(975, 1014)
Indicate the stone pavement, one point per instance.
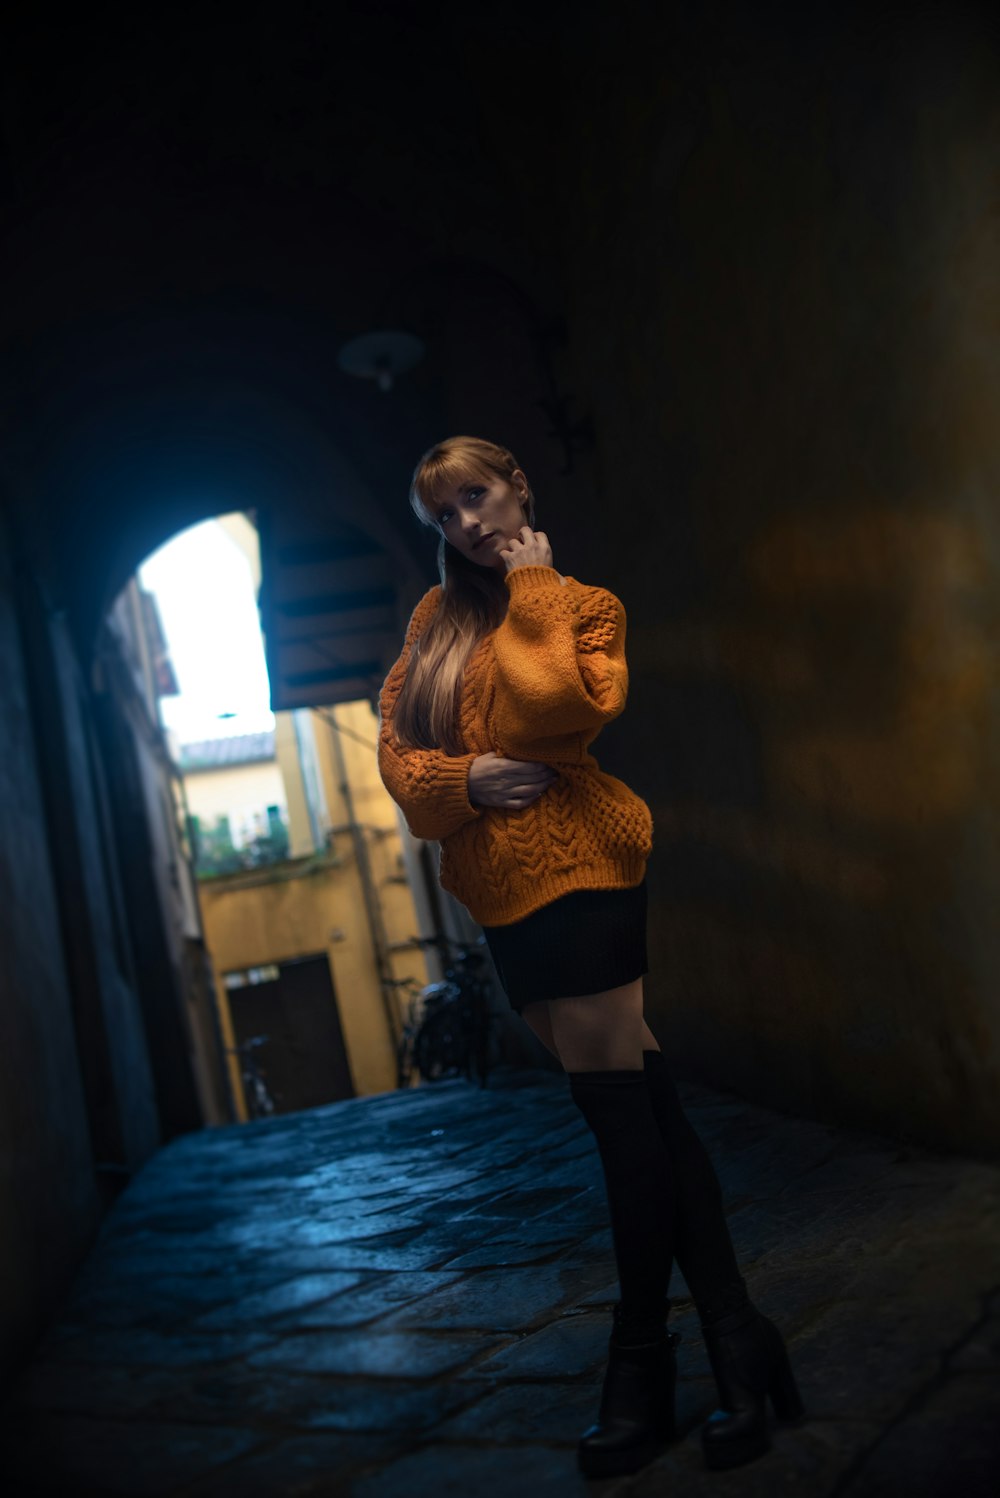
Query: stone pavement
point(409, 1295)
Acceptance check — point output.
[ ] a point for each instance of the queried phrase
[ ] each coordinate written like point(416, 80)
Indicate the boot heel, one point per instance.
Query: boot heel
point(783, 1390)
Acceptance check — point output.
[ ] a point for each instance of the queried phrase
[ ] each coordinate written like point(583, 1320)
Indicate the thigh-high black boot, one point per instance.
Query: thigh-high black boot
point(703, 1247)
point(637, 1399)
point(746, 1350)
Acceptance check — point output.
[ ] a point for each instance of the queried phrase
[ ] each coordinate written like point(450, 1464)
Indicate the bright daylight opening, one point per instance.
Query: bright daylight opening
point(280, 852)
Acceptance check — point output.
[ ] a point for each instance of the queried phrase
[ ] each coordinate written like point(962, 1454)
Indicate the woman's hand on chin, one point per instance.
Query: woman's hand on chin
point(527, 549)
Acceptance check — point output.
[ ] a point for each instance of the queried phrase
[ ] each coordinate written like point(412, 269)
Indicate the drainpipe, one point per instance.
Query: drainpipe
point(373, 908)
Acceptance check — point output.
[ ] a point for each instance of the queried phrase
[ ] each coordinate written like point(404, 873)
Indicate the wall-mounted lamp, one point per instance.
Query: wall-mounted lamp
point(380, 356)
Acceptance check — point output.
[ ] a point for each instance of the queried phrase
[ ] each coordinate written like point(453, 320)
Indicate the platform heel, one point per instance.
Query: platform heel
point(782, 1388)
point(750, 1363)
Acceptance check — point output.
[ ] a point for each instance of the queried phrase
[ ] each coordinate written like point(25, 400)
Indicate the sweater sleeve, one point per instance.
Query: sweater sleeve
point(560, 661)
point(431, 788)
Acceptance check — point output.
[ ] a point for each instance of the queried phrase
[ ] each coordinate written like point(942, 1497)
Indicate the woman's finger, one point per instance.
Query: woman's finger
point(529, 796)
point(533, 770)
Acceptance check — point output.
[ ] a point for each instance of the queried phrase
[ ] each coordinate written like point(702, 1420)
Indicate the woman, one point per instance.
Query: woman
point(508, 672)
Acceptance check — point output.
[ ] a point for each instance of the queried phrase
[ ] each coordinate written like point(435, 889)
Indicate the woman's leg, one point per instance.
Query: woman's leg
point(536, 1016)
point(599, 1031)
point(598, 1038)
point(702, 1243)
point(746, 1350)
point(704, 1249)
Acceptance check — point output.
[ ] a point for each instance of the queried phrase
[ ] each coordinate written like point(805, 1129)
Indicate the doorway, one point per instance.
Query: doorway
point(303, 1061)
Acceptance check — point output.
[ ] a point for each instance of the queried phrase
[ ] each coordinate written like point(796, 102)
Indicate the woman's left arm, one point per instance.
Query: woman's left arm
point(560, 664)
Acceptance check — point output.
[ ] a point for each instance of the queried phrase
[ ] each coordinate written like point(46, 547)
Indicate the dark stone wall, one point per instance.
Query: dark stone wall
point(97, 943)
point(778, 238)
point(49, 1200)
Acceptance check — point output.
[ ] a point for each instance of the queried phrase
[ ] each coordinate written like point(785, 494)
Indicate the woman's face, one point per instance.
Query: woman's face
point(479, 516)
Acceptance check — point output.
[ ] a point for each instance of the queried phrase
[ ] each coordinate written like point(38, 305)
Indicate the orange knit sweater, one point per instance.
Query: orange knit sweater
point(539, 687)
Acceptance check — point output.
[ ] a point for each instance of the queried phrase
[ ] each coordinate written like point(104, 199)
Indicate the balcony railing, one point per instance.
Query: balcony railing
point(216, 852)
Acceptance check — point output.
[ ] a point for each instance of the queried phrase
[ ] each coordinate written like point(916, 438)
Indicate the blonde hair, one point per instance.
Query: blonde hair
point(473, 599)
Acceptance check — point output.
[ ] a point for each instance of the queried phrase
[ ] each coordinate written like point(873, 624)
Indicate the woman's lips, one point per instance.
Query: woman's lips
point(483, 540)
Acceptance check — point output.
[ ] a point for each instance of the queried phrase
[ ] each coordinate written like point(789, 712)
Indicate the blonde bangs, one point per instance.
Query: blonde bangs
point(441, 471)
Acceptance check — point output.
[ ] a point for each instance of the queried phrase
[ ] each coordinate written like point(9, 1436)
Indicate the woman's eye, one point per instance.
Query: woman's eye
point(472, 494)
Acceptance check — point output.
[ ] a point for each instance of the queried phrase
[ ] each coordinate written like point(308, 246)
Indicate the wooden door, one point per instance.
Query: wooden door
point(304, 1061)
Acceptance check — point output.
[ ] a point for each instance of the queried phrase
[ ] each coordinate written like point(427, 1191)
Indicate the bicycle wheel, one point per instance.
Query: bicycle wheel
point(438, 1050)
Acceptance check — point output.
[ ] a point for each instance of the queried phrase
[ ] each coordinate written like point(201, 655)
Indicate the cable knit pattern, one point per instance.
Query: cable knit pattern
point(540, 687)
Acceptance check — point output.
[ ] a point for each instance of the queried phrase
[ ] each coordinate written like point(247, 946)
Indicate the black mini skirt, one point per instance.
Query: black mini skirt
point(585, 942)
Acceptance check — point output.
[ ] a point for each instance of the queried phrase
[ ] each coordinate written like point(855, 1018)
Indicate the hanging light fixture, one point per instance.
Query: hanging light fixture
point(380, 356)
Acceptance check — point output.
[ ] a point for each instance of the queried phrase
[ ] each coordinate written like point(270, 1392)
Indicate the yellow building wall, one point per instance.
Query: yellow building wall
point(295, 909)
point(376, 811)
point(313, 904)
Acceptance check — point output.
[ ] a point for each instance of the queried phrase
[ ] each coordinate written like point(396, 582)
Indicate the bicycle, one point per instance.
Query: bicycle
point(259, 1102)
point(449, 1026)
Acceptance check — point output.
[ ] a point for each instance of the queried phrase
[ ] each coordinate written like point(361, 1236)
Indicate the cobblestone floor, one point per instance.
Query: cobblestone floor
point(409, 1295)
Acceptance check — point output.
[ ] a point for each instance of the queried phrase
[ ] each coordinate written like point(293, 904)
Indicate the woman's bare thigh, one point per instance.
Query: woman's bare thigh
point(595, 1032)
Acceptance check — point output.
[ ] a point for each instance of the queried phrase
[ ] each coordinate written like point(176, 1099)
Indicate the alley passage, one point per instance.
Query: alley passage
point(410, 1294)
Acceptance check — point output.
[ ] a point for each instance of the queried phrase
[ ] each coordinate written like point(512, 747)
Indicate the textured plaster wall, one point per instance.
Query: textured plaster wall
point(796, 383)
